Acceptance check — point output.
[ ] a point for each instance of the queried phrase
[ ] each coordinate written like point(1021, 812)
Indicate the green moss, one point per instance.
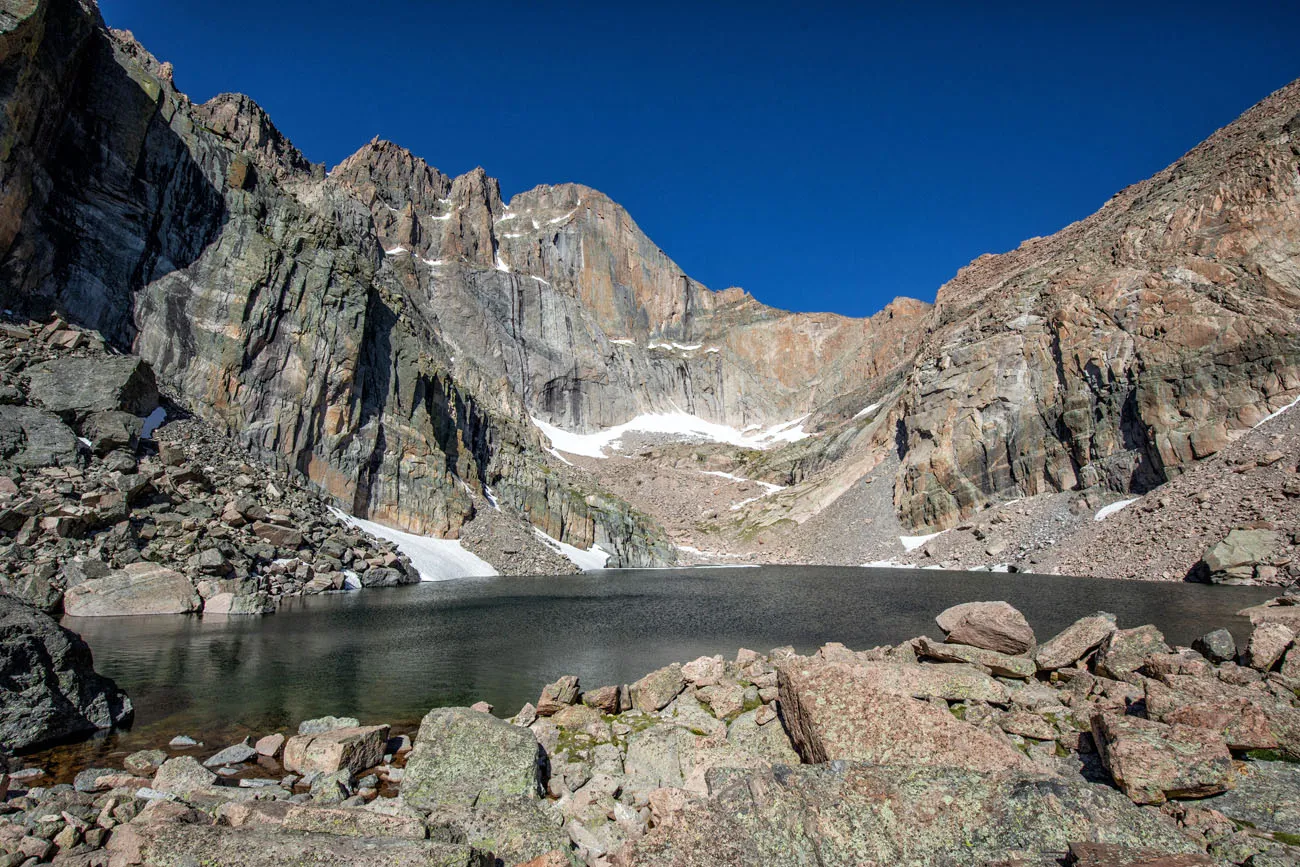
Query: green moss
point(958, 710)
point(1271, 756)
point(1287, 838)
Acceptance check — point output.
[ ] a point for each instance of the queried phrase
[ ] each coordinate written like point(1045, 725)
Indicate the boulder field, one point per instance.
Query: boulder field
point(1100, 746)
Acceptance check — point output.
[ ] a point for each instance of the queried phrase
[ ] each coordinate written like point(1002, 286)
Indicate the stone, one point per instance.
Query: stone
point(1216, 646)
point(1236, 557)
point(656, 689)
point(994, 626)
point(232, 755)
point(704, 671)
point(182, 775)
point(848, 814)
point(49, 689)
point(165, 844)
point(108, 431)
point(1084, 854)
point(999, 664)
point(139, 588)
point(516, 829)
point(1152, 761)
point(270, 745)
point(1268, 643)
point(836, 711)
point(75, 387)
point(281, 537)
point(462, 758)
point(604, 699)
point(353, 749)
point(234, 605)
point(559, 694)
point(351, 822)
point(144, 761)
point(31, 439)
point(1125, 650)
point(726, 700)
point(1074, 642)
point(327, 723)
point(1266, 795)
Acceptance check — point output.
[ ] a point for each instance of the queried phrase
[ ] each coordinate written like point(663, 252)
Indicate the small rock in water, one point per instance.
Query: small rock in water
point(270, 745)
point(180, 742)
point(324, 724)
point(232, 755)
point(481, 707)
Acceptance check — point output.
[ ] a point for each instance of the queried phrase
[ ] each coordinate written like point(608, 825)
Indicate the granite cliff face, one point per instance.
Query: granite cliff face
point(388, 331)
point(1123, 348)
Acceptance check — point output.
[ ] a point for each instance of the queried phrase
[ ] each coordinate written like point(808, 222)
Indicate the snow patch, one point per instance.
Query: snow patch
point(539, 280)
point(399, 249)
point(911, 543)
point(559, 220)
point(623, 342)
point(680, 423)
point(1106, 511)
point(432, 263)
point(866, 410)
point(435, 559)
point(1275, 414)
point(588, 561)
point(491, 497)
point(499, 265)
point(683, 347)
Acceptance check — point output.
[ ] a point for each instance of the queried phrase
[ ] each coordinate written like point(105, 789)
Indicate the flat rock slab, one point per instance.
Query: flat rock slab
point(355, 748)
point(1152, 761)
point(170, 844)
point(138, 589)
point(74, 386)
point(839, 711)
point(1074, 642)
point(996, 626)
point(352, 822)
point(948, 681)
point(1000, 664)
point(847, 813)
point(462, 757)
point(1267, 795)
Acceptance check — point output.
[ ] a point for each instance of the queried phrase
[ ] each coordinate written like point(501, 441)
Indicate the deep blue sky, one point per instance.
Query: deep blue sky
point(825, 156)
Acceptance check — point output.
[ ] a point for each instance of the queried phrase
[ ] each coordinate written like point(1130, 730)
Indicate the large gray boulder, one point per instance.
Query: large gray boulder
point(139, 588)
point(845, 813)
point(31, 438)
point(76, 387)
point(462, 757)
point(49, 690)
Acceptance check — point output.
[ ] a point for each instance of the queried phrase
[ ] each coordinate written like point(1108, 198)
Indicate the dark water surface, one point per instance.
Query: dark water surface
point(390, 655)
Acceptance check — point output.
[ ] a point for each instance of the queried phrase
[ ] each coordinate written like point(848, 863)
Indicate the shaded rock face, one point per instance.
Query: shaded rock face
point(49, 690)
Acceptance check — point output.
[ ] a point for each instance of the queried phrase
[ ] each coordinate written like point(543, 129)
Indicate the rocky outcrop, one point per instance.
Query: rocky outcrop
point(1125, 347)
point(49, 690)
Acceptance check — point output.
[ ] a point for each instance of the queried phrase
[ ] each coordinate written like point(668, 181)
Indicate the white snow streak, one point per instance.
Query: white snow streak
point(911, 543)
point(1275, 414)
point(588, 561)
point(1106, 511)
point(396, 250)
point(867, 409)
point(435, 559)
point(622, 341)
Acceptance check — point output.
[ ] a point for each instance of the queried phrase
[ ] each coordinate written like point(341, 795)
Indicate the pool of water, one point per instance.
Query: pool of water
point(390, 655)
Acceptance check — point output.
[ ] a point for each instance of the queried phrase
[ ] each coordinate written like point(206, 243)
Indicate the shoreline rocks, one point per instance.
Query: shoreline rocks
point(922, 752)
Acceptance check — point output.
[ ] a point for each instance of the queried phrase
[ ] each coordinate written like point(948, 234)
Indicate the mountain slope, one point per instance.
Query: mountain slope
point(388, 332)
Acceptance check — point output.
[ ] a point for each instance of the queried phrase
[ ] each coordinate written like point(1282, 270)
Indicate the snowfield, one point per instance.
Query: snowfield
point(435, 559)
point(679, 423)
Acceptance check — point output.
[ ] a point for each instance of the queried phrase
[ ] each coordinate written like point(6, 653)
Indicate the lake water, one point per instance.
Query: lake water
point(390, 655)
